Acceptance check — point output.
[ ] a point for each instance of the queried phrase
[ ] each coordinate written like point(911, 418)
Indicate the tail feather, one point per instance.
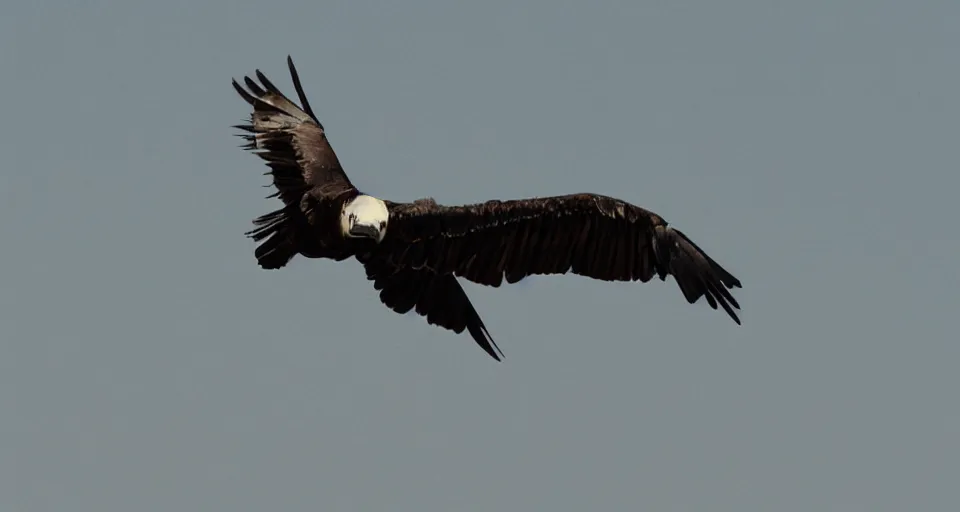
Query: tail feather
point(439, 299)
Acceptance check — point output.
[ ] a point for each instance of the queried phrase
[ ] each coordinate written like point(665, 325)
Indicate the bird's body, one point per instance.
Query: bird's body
point(415, 252)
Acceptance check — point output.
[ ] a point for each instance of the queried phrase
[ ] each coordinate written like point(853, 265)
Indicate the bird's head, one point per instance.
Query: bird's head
point(365, 217)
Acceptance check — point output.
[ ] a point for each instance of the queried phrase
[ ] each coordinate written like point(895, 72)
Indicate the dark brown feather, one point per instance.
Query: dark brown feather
point(438, 298)
point(306, 173)
point(592, 235)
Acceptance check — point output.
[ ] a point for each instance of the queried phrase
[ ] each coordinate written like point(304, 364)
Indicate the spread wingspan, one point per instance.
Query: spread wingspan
point(589, 234)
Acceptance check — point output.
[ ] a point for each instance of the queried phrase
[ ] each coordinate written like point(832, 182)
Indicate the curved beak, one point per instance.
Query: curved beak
point(365, 230)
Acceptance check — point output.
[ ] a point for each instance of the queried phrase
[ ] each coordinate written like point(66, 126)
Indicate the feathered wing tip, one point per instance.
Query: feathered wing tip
point(303, 97)
point(273, 111)
point(696, 273)
point(268, 135)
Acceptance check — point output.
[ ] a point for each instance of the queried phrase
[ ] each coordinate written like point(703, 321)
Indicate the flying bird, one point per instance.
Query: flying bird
point(415, 252)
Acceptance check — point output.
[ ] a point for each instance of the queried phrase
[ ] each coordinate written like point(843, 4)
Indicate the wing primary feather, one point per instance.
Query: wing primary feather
point(256, 89)
point(267, 83)
point(303, 97)
point(727, 278)
point(249, 98)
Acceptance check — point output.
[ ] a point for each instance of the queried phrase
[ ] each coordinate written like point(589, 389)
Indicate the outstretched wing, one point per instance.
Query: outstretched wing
point(304, 168)
point(593, 235)
point(438, 298)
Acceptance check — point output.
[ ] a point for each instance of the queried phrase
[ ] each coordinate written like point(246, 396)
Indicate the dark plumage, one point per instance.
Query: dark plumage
point(414, 252)
point(592, 235)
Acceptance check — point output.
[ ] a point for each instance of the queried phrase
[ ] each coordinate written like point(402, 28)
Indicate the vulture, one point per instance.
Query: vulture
point(414, 252)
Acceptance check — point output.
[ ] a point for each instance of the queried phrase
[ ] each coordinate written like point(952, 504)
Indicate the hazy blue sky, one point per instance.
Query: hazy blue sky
point(811, 147)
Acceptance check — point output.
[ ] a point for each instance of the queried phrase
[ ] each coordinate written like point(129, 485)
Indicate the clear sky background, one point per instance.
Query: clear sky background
point(811, 147)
